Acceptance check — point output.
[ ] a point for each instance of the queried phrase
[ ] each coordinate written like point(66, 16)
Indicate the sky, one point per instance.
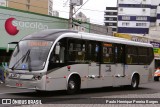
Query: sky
point(96, 17)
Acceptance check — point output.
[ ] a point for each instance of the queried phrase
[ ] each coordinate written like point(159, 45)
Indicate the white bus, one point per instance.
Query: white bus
point(70, 60)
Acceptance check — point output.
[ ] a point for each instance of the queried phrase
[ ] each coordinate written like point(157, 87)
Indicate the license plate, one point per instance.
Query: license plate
point(19, 84)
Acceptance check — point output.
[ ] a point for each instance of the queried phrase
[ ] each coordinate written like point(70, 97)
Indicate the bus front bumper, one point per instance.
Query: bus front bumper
point(27, 84)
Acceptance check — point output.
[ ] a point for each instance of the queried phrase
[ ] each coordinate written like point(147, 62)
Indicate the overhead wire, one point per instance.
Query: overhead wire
point(80, 7)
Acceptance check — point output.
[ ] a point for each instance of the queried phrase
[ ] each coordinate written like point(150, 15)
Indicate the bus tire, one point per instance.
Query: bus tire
point(73, 86)
point(39, 91)
point(135, 82)
point(156, 78)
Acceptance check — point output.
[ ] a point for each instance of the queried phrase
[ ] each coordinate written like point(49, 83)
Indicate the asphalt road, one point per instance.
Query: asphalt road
point(149, 88)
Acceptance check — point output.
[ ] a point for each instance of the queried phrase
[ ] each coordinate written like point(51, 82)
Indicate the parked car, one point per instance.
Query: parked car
point(157, 74)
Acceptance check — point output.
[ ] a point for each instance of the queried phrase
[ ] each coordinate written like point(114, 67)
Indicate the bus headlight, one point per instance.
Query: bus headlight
point(10, 75)
point(155, 74)
point(37, 77)
point(13, 75)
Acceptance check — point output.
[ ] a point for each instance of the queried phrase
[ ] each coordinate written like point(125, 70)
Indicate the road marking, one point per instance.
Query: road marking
point(16, 92)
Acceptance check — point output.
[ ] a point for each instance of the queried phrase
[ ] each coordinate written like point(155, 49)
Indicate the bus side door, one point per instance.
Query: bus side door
point(119, 64)
point(93, 54)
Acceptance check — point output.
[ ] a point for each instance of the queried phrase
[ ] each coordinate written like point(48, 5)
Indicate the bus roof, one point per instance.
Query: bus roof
point(53, 34)
point(112, 39)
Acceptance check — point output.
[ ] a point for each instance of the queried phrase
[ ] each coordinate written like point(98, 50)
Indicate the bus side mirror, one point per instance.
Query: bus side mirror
point(7, 48)
point(57, 49)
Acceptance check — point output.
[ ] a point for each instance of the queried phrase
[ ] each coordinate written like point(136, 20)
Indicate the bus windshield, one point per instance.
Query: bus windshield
point(30, 55)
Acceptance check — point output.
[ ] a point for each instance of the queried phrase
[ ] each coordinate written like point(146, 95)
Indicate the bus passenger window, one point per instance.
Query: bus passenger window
point(143, 55)
point(54, 57)
point(107, 53)
point(131, 55)
point(93, 51)
point(151, 55)
point(58, 57)
point(76, 51)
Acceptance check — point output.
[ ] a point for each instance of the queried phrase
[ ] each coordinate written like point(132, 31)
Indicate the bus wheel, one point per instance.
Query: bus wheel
point(156, 78)
point(39, 91)
point(135, 82)
point(73, 86)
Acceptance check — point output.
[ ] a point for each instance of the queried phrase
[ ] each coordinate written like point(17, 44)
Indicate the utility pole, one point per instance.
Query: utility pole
point(72, 4)
point(70, 22)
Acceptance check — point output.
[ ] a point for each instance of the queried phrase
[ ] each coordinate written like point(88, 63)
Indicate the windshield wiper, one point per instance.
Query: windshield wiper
point(29, 61)
point(22, 58)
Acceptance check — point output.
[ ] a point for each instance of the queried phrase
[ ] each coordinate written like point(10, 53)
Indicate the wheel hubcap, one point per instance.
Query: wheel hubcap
point(134, 84)
point(71, 85)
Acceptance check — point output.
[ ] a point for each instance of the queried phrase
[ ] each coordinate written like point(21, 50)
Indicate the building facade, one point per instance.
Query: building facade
point(55, 13)
point(110, 18)
point(134, 16)
point(153, 14)
point(158, 17)
point(3, 3)
point(101, 29)
point(82, 17)
point(37, 6)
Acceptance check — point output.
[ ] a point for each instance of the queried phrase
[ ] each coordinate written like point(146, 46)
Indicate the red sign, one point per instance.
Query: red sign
point(10, 28)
